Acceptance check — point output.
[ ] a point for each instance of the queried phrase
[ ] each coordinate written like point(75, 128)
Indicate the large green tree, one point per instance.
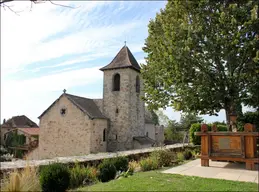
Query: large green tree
point(203, 56)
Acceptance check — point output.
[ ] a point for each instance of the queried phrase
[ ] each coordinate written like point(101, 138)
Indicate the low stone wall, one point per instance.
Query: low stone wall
point(91, 159)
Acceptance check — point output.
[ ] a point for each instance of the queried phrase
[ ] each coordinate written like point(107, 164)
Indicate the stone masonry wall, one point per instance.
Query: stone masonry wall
point(137, 105)
point(97, 143)
point(159, 135)
point(67, 135)
point(129, 121)
point(150, 128)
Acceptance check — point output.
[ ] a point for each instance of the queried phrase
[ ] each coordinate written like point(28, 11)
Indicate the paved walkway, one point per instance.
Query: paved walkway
point(217, 170)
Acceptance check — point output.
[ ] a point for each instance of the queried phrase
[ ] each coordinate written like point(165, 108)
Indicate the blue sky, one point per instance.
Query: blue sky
point(52, 48)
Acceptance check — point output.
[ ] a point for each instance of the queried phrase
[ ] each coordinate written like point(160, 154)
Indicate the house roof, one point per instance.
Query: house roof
point(30, 131)
point(124, 59)
point(144, 140)
point(86, 105)
point(19, 122)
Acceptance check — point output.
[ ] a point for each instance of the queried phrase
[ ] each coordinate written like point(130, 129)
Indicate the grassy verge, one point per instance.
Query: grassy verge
point(157, 181)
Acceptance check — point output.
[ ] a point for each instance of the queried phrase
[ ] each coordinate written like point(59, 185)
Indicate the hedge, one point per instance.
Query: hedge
point(196, 127)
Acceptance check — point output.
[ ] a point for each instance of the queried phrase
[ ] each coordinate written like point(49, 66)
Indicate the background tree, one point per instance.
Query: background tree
point(163, 119)
point(203, 56)
point(188, 119)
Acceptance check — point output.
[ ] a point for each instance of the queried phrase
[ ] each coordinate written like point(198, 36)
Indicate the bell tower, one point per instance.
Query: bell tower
point(122, 103)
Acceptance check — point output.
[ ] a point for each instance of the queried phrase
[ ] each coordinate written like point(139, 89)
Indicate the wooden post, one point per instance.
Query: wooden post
point(204, 146)
point(250, 147)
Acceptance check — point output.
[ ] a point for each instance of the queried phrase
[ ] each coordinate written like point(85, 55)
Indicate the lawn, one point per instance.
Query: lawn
point(157, 181)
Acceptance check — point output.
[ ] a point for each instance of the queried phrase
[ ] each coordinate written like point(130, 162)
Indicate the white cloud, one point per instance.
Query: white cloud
point(33, 96)
point(23, 35)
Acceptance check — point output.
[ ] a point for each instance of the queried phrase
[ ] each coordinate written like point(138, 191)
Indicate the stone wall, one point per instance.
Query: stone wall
point(3, 131)
point(159, 135)
point(150, 129)
point(67, 135)
point(97, 143)
point(34, 154)
point(91, 159)
point(137, 145)
point(124, 108)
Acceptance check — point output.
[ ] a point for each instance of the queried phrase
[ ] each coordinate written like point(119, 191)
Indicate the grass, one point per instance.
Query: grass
point(157, 181)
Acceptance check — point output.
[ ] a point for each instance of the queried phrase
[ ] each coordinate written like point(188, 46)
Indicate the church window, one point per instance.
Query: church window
point(117, 110)
point(116, 137)
point(63, 111)
point(104, 135)
point(147, 134)
point(137, 84)
point(116, 82)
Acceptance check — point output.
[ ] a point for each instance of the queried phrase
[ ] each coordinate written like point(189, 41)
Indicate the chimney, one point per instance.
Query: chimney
point(4, 121)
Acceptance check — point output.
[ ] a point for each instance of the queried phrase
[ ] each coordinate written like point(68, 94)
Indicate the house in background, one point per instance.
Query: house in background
point(23, 124)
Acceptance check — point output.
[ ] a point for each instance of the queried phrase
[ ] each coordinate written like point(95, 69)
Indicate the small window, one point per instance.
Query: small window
point(116, 82)
point(116, 137)
point(147, 134)
point(137, 84)
point(117, 110)
point(63, 111)
point(104, 135)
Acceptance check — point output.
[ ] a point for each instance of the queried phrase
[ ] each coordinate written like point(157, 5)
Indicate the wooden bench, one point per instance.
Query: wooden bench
point(229, 146)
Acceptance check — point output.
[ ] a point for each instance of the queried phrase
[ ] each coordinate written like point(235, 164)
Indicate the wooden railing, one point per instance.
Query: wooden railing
point(230, 146)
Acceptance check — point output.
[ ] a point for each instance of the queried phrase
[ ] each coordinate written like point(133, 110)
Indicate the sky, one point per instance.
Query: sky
point(48, 48)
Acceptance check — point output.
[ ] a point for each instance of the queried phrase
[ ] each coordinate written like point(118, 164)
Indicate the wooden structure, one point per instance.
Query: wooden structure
point(229, 146)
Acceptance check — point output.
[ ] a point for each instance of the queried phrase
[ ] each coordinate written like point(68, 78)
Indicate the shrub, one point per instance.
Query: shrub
point(54, 177)
point(222, 127)
point(248, 117)
point(148, 164)
point(92, 174)
point(187, 154)
point(196, 140)
point(77, 175)
point(164, 157)
point(180, 156)
point(107, 171)
point(25, 180)
point(133, 165)
point(121, 163)
point(196, 127)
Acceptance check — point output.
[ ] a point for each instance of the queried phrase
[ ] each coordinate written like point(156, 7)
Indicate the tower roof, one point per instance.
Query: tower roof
point(123, 59)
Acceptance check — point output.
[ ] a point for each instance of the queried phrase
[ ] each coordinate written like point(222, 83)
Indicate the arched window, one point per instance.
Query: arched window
point(146, 134)
point(104, 135)
point(116, 82)
point(137, 84)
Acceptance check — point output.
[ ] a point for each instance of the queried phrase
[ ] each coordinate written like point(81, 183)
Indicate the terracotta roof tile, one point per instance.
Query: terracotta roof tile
point(30, 131)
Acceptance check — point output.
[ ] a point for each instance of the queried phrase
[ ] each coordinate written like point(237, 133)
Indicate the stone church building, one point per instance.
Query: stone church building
point(75, 125)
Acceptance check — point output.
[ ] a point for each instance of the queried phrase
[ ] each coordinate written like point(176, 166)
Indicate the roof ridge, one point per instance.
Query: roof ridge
point(78, 96)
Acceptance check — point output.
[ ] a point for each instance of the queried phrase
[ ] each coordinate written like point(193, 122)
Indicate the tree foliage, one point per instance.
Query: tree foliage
point(203, 56)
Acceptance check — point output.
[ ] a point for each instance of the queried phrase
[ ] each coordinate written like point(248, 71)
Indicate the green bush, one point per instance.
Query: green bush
point(222, 128)
point(77, 175)
point(196, 127)
point(164, 157)
point(196, 140)
point(121, 163)
point(180, 156)
point(107, 171)
point(148, 164)
point(187, 154)
point(248, 117)
point(54, 177)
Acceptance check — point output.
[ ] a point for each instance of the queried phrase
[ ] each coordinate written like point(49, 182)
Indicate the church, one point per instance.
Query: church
point(75, 125)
